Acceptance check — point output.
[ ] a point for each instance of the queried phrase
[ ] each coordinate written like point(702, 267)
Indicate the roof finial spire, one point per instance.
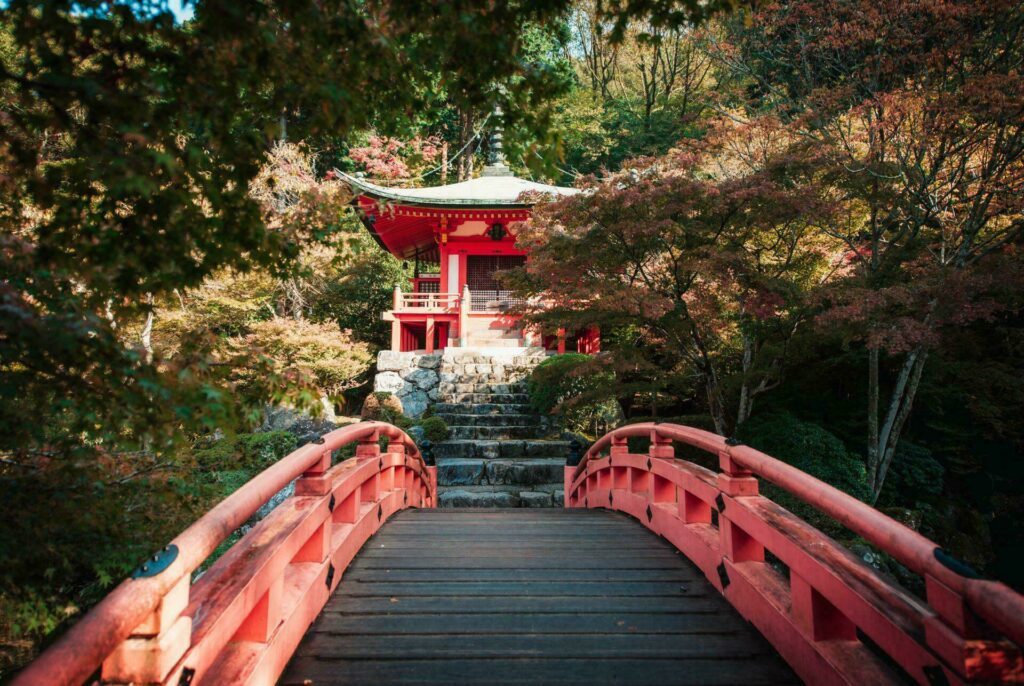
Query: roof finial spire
point(495, 156)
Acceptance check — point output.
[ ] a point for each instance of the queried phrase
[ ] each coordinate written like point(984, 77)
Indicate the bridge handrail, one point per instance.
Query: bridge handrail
point(77, 654)
point(949, 584)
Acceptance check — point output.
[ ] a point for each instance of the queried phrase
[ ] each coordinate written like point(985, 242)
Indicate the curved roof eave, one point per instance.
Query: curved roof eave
point(484, 188)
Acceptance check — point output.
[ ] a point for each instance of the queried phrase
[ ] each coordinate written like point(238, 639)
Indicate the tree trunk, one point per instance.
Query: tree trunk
point(467, 148)
point(873, 393)
point(147, 330)
point(746, 404)
point(444, 163)
point(901, 401)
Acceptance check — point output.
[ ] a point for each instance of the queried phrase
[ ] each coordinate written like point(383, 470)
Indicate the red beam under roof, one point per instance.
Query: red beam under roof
point(410, 221)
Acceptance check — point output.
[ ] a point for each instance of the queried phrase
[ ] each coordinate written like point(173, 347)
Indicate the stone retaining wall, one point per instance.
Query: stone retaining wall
point(412, 377)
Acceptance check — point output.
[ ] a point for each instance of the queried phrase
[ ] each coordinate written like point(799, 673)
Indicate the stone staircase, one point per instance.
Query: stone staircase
point(499, 453)
point(506, 337)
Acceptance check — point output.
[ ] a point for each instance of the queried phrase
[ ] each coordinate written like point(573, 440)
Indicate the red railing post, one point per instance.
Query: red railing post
point(369, 447)
point(734, 481)
point(815, 616)
point(314, 480)
point(264, 617)
point(661, 446)
point(954, 633)
point(155, 646)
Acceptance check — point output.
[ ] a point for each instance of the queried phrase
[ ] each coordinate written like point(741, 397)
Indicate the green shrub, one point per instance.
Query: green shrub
point(385, 407)
point(550, 383)
point(245, 451)
point(913, 475)
point(571, 386)
point(435, 429)
point(812, 449)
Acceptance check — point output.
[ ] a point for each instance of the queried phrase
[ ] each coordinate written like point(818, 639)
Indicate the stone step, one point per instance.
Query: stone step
point(550, 495)
point(486, 398)
point(527, 359)
point(500, 433)
point(519, 381)
point(496, 342)
point(524, 471)
point(490, 450)
point(511, 419)
point(483, 387)
point(491, 334)
point(442, 408)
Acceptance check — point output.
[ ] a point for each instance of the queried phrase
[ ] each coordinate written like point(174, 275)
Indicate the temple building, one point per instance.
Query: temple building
point(458, 235)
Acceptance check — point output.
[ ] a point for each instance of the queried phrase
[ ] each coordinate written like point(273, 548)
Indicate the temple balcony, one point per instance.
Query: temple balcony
point(472, 319)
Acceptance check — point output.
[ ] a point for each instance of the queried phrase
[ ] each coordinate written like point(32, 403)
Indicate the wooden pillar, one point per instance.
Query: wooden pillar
point(396, 336)
point(464, 305)
point(430, 334)
point(561, 341)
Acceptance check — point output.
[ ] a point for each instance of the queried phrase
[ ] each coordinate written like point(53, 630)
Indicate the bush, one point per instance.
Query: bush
point(435, 429)
point(914, 474)
point(570, 386)
point(812, 449)
point(385, 407)
point(253, 452)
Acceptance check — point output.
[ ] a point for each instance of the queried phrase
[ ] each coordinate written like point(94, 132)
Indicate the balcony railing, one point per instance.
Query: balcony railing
point(437, 302)
point(493, 301)
point(481, 301)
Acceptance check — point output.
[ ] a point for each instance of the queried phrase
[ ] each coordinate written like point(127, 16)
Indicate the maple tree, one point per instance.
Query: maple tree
point(711, 252)
point(921, 106)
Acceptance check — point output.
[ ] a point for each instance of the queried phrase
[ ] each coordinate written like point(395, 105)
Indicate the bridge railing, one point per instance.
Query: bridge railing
point(831, 616)
point(241, 620)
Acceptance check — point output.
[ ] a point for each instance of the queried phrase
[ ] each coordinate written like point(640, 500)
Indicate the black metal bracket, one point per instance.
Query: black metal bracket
point(650, 513)
point(156, 564)
point(958, 566)
point(187, 675)
point(331, 503)
point(723, 575)
point(320, 441)
point(611, 499)
point(380, 512)
point(330, 575)
point(720, 502)
point(649, 464)
point(733, 441)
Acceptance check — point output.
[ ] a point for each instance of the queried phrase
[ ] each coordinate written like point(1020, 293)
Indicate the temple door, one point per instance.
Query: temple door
point(485, 291)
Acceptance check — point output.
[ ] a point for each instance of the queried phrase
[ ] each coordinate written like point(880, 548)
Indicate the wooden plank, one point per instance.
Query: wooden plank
point(679, 672)
point(578, 589)
point(654, 646)
point(513, 574)
point(564, 562)
point(563, 623)
point(599, 604)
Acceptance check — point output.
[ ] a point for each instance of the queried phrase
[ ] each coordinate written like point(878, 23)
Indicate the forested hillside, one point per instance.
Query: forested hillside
point(802, 228)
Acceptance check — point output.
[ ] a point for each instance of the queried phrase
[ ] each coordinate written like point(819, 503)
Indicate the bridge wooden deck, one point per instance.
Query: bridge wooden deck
point(538, 596)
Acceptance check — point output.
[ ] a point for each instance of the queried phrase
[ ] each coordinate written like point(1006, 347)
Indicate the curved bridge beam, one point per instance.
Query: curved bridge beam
point(240, 620)
point(832, 617)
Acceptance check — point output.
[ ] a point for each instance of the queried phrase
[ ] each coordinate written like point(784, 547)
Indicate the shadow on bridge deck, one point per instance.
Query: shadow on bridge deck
point(535, 596)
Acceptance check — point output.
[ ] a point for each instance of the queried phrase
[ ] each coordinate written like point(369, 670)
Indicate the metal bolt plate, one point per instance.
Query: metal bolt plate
point(156, 564)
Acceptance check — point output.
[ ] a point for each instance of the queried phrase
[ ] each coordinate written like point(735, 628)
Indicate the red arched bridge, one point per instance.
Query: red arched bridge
point(338, 585)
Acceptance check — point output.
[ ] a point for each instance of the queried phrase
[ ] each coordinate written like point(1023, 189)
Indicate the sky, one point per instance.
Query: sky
point(182, 9)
